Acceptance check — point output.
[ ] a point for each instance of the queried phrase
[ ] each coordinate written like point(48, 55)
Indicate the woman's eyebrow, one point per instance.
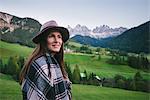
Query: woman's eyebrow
point(51, 34)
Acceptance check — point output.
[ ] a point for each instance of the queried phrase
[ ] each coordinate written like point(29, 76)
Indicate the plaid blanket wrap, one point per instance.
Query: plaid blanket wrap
point(45, 81)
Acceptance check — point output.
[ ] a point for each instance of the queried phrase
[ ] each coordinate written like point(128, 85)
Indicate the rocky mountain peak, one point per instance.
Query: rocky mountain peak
point(6, 17)
point(8, 23)
point(103, 31)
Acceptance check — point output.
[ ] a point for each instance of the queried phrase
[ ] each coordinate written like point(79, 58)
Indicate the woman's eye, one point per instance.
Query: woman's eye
point(59, 36)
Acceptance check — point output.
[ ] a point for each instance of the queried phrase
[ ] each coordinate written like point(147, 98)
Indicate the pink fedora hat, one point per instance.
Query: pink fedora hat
point(51, 26)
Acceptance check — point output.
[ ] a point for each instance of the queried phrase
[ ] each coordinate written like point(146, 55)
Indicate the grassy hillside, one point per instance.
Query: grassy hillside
point(75, 44)
point(84, 61)
point(72, 43)
point(9, 49)
point(10, 90)
point(100, 67)
point(86, 92)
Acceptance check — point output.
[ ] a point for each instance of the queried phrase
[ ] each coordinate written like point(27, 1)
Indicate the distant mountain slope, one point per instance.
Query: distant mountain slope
point(136, 39)
point(87, 40)
point(18, 30)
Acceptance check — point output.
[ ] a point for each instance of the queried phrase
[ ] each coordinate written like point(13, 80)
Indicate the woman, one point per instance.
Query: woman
point(43, 76)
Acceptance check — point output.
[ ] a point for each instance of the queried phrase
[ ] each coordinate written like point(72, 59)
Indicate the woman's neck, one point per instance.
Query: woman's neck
point(51, 53)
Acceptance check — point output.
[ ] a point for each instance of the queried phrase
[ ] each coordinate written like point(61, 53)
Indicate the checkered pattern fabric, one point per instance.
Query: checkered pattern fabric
point(44, 81)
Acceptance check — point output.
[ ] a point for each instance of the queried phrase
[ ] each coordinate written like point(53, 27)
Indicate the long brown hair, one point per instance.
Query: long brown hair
point(41, 49)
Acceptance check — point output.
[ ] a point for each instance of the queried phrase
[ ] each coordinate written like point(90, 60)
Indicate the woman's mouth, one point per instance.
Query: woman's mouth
point(56, 46)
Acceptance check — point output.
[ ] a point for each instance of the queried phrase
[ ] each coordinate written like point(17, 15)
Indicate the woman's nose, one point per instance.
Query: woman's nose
point(56, 39)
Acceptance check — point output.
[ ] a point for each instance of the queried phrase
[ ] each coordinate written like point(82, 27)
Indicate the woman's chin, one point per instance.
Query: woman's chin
point(55, 50)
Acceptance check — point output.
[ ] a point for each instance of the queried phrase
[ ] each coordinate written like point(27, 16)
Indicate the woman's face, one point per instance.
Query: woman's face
point(54, 42)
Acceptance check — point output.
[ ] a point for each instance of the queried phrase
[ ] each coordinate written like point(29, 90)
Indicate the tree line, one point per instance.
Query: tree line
point(138, 61)
point(136, 83)
point(13, 66)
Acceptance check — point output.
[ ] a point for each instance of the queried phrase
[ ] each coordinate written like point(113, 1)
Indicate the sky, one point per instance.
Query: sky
point(92, 13)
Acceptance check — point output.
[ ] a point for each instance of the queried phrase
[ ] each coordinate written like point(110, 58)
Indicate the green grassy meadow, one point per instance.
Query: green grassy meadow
point(84, 61)
point(10, 49)
point(100, 67)
point(11, 90)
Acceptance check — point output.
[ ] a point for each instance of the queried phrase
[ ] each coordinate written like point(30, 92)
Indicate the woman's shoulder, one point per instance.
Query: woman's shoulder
point(41, 60)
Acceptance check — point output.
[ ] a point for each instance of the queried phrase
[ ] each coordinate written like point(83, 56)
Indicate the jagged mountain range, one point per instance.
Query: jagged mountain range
point(100, 32)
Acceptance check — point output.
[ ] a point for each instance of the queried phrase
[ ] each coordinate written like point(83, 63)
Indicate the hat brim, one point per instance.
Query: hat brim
point(63, 31)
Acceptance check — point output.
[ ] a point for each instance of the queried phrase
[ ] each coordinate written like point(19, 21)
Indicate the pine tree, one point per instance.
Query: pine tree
point(12, 67)
point(138, 79)
point(76, 74)
point(85, 74)
point(21, 61)
point(68, 70)
point(1, 66)
point(99, 57)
